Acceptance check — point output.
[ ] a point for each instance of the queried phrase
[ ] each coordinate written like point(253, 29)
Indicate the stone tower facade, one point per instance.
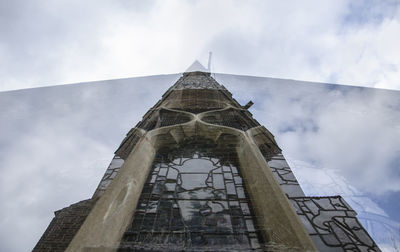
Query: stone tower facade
point(199, 173)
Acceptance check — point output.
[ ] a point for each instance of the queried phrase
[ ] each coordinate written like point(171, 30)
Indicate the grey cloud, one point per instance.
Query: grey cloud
point(361, 12)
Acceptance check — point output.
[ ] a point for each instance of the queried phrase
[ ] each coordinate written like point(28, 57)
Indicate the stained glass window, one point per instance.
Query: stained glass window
point(194, 198)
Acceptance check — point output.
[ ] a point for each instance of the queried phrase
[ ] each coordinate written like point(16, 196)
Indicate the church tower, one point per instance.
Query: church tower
point(199, 173)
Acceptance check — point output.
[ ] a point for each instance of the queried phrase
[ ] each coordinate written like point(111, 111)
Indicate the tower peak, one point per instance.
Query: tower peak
point(196, 67)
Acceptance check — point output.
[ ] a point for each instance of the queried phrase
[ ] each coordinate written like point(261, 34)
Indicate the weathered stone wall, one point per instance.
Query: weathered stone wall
point(63, 227)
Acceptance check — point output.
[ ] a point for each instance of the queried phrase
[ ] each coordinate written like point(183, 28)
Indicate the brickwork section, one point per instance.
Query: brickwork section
point(64, 226)
point(197, 100)
point(232, 117)
point(201, 80)
point(128, 143)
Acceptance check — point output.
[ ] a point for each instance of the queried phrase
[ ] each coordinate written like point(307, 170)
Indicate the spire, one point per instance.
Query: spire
point(196, 67)
point(209, 61)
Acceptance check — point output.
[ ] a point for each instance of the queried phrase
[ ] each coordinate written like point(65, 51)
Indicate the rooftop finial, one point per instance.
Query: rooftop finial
point(209, 61)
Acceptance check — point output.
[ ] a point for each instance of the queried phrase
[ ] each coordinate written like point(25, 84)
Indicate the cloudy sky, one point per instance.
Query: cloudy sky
point(59, 140)
point(67, 41)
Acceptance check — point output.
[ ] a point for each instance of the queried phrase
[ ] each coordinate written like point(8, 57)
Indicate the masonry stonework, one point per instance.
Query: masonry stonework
point(199, 173)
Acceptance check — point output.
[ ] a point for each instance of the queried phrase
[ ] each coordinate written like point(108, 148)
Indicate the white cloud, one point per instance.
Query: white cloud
point(72, 41)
